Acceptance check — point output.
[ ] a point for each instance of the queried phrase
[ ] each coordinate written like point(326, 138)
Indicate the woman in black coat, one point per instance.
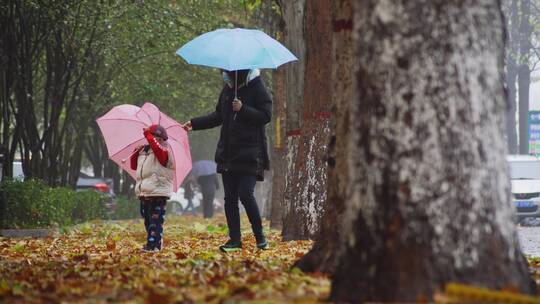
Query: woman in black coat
point(241, 153)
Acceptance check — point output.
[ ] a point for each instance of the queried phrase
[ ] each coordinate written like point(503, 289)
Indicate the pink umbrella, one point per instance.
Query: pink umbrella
point(122, 129)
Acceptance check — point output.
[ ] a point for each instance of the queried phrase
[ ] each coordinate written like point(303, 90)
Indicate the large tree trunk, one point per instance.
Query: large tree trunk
point(322, 257)
point(292, 13)
point(306, 176)
point(429, 199)
point(524, 75)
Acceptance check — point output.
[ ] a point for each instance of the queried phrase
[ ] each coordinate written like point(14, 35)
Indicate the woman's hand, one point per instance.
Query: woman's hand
point(236, 104)
point(187, 126)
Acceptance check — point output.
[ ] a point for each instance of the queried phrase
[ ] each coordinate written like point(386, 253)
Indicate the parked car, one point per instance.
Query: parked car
point(525, 181)
point(17, 171)
point(100, 184)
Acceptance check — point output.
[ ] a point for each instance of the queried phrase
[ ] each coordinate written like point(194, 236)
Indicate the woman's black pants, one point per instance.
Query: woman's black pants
point(241, 186)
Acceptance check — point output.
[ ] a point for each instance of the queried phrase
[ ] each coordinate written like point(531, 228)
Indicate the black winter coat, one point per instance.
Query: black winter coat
point(242, 145)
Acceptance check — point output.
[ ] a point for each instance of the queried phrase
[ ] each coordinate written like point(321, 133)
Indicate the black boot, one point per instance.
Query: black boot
point(231, 246)
point(261, 242)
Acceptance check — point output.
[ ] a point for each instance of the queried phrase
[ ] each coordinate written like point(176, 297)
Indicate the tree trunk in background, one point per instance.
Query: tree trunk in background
point(524, 76)
point(127, 184)
point(74, 166)
point(322, 257)
point(8, 78)
point(278, 161)
point(263, 193)
point(279, 168)
point(46, 64)
point(512, 17)
point(268, 18)
point(524, 81)
point(95, 150)
point(293, 13)
point(511, 123)
point(306, 176)
point(429, 191)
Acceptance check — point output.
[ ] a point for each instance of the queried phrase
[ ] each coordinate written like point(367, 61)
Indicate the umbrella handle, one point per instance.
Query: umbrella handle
point(129, 157)
point(235, 90)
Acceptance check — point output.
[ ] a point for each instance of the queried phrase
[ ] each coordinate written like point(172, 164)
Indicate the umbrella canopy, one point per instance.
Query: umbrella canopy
point(122, 129)
point(203, 167)
point(236, 49)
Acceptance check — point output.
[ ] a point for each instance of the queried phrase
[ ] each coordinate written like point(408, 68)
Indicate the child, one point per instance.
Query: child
point(154, 166)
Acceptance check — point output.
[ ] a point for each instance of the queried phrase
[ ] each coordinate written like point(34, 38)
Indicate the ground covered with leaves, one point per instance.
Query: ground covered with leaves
point(103, 262)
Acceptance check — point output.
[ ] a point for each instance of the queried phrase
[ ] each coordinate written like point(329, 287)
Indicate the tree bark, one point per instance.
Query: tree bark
point(429, 185)
point(279, 162)
point(307, 148)
point(293, 13)
point(127, 184)
point(278, 189)
point(264, 192)
point(524, 75)
point(322, 257)
point(512, 26)
point(524, 82)
point(8, 77)
point(511, 123)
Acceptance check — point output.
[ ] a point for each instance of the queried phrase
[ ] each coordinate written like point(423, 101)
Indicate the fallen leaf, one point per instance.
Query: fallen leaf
point(102, 262)
point(111, 245)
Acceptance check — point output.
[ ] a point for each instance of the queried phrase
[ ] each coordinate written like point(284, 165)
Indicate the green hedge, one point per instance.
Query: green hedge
point(126, 208)
point(32, 204)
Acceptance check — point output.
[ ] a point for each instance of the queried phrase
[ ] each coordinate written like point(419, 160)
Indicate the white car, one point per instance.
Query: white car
point(18, 171)
point(179, 203)
point(525, 180)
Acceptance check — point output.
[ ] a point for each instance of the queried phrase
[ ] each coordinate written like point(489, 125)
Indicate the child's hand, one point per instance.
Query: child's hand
point(146, 131)
point(138, 148)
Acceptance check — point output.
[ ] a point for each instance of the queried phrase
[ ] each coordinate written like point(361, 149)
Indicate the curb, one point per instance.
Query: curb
point(17, 233)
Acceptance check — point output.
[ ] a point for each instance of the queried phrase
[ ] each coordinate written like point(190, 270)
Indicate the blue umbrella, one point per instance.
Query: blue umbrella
point(236, 49)
point(203, 167)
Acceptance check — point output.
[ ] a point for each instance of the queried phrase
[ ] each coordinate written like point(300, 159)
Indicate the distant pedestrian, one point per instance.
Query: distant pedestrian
point(189, 194)
point(208, 185)
point(154, 167)
point(241, 153)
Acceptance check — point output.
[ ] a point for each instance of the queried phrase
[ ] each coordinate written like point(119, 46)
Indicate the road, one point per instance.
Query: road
point(529, 238)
